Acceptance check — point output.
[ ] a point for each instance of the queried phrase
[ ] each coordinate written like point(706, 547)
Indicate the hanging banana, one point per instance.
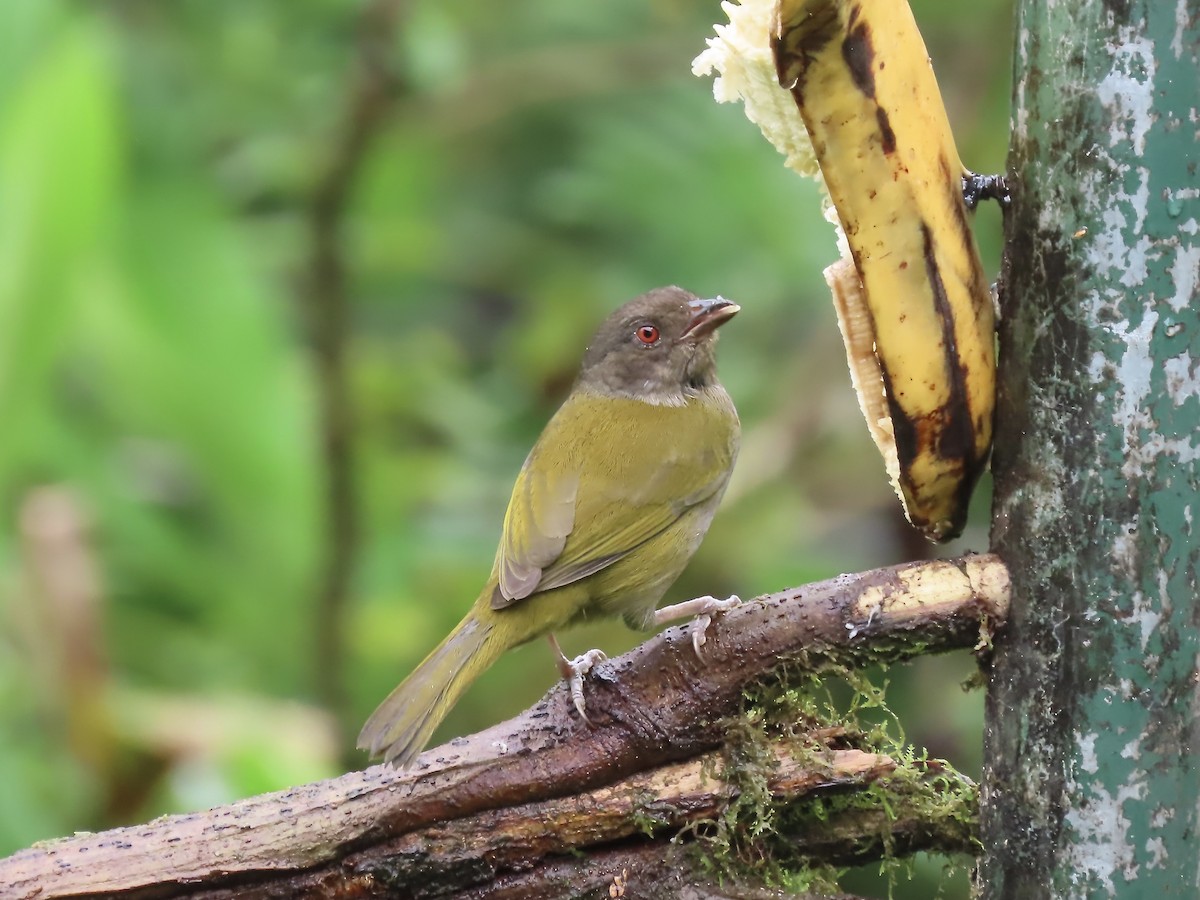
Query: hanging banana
point(913, 304)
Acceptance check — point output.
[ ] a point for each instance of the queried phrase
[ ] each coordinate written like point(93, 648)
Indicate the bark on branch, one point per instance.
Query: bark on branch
point(497, 809)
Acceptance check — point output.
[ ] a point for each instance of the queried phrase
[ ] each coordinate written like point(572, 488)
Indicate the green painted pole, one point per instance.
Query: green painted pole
point(1092, 772)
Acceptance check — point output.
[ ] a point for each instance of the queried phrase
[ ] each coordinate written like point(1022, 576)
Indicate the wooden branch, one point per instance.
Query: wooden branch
point(656, 705)
point(663, 799)
point(661, 871)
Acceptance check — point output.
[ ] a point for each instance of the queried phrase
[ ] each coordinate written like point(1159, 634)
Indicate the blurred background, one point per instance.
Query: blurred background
point(272, 349)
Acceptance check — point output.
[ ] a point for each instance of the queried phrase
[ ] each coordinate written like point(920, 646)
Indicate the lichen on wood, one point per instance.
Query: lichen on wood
point(1089, 788)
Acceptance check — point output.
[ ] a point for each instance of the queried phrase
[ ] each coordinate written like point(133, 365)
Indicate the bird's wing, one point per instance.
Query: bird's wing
point(600, 481)
point(540, 517)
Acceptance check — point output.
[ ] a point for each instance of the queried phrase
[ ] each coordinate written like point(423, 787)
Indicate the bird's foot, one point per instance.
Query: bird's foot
point(575, 670)
point(702, 609)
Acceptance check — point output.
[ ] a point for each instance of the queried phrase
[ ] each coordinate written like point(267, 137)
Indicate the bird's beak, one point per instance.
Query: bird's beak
point(708, 315)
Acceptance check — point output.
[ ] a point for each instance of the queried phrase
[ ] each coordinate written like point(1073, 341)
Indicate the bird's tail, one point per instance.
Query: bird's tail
point(399, 729)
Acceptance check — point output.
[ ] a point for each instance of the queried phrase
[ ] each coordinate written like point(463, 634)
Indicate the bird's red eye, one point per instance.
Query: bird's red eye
point(647, 334)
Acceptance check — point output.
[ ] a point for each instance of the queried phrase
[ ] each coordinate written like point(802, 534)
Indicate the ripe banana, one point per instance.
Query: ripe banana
point(913, 304)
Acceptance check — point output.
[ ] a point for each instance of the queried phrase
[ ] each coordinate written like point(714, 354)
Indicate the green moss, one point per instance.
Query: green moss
point(756, 837)
point(650, 815)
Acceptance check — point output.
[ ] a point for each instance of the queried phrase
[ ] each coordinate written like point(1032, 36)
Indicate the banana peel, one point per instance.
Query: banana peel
point(913, 305)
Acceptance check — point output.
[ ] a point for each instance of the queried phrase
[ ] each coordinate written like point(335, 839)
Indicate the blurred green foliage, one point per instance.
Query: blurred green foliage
point(160, 466)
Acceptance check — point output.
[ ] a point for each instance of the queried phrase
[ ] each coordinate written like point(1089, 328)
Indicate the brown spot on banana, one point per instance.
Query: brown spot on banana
point(887, 137)
point(822, 28)
point(860, 58)
point(956, 440)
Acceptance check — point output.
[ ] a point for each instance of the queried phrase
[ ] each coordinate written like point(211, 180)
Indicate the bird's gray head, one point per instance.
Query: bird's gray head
point(657, 347)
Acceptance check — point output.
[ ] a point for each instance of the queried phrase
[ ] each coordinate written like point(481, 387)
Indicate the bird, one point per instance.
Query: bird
point(608, 508)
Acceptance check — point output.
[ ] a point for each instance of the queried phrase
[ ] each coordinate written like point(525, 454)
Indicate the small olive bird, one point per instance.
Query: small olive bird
point(608, 508)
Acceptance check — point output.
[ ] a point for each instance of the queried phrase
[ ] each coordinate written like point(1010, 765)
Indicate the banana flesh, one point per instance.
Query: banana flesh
point(913, 304)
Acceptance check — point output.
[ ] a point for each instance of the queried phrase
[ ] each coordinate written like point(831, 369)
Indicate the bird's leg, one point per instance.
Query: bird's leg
point(573, 671)
point(703, 609)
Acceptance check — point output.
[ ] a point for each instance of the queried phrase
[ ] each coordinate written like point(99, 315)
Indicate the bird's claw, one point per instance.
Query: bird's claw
point(702, 609)
point(699, 626)
point(574, 671)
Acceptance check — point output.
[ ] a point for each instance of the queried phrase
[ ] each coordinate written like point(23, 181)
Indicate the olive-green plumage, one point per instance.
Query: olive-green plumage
point(608, 508)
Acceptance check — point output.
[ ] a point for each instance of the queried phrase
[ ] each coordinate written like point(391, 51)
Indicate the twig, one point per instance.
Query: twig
point(327, 301)
point(63, 607)
point(655, 705)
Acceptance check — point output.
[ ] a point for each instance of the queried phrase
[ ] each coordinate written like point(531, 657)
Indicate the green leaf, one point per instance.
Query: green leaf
point(59, 164)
